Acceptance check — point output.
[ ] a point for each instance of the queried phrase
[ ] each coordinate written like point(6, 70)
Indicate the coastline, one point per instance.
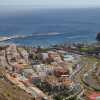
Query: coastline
point(5, 38)
point(46, 40)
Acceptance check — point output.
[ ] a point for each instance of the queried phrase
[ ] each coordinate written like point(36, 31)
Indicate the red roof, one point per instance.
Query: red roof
point(94, 96)
point(18, 65)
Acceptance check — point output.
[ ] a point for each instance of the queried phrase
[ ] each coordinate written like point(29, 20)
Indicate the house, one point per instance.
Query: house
point(31, 75)
point(17, 68)
point(93, 96)
point(60, 71)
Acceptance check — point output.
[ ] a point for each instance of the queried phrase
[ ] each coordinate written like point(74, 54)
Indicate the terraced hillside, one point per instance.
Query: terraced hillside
point(9, 91)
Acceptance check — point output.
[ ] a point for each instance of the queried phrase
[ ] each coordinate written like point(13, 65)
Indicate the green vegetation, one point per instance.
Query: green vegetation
point(87, 49)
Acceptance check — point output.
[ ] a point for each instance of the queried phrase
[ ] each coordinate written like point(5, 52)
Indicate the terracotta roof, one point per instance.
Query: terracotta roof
point(94, 96)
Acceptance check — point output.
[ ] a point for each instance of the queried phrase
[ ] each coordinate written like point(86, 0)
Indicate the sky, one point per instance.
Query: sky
point(51, 3)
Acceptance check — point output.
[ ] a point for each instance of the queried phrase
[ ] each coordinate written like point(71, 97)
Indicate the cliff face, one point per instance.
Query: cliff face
point(98, 36)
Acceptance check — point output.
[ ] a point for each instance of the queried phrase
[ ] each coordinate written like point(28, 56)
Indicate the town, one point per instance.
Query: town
point(61, 72)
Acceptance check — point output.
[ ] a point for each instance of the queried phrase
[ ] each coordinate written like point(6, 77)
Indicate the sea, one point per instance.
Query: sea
point(71, 25)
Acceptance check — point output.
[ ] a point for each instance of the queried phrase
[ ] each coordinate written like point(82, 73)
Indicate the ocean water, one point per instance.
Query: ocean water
point(73, 25)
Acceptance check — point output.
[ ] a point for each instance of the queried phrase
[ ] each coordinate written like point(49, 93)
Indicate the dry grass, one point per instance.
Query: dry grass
point(11, 92)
